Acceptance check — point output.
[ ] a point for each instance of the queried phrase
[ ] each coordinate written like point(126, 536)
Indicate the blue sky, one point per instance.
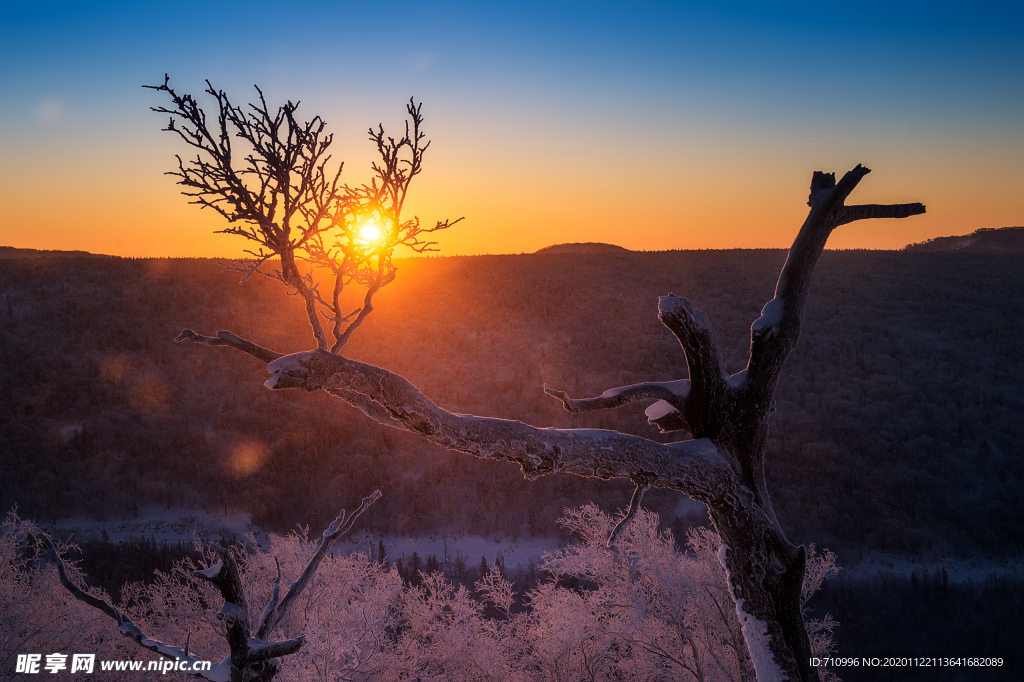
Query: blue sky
point(658, 125)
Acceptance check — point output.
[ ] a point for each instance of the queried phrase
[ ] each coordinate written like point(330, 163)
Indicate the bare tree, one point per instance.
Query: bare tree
point(269, 174)
point(721, 464)
point(253, 656)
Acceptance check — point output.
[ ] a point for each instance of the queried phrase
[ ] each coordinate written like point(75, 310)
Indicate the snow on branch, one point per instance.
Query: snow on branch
point(666, 417)
point(368, 406)
point(224, 338)
point(642, 486)
point(274, 612)
point(672, 392)
point(696, 467)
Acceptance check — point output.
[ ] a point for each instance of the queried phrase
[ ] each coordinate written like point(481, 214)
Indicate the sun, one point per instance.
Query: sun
point(369, 232)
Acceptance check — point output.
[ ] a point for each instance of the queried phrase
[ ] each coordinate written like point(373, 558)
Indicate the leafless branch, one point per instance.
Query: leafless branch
point(270, 176)
point(693, 466)
point(124, 624)
point(341, 526)
point(643, 484)
point(224, 338)
point(672, 392)
point(866, 211)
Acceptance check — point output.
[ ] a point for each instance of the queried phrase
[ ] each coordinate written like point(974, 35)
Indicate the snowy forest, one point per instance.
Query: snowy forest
point(889, 439)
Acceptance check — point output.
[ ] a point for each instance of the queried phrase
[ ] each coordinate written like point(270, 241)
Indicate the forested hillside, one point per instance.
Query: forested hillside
point(988, 240)
point(897, 426)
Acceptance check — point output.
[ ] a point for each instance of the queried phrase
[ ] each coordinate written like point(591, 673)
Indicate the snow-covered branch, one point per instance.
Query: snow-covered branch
point(704, 406)
point(224, 338)
point(367, 406)
point(272, 616)
point(235, 613)
point(673, 392)
point(694, 466)
point(124, 624)
point(691, 327)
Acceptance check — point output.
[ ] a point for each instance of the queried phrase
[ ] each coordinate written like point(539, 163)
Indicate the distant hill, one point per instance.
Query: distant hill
point(985, 240)
point(584, 247)
point(12, 252)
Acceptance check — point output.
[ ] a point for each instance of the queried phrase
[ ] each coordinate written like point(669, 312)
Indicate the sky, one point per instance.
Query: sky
point(647, 125)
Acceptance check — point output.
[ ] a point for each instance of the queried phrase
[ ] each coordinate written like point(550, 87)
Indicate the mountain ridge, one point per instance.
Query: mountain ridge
point(985, 240)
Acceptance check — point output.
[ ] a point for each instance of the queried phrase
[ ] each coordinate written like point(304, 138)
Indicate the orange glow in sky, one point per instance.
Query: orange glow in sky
point(636, 197)
point(676, 127)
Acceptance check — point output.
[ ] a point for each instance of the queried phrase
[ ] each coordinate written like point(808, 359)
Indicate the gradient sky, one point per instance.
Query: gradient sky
point(652, 126)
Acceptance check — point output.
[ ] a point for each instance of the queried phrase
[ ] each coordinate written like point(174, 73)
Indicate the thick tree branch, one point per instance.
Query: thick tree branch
point(868, 211)
point(691, 327)
point(703, 407)
point(672, 392)
point(235, 612)
point(694, 466)
point(774, 334)
point(246, 651)
point(224, 338)
point(368, 406)
point(363, 403)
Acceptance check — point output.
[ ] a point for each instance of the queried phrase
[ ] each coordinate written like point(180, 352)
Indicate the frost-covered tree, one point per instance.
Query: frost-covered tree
point(654, 613)
point(649, 612)
point(727, 416)
point(252, 654)
point(36, 615)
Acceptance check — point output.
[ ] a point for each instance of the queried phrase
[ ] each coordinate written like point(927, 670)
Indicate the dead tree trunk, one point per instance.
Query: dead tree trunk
point(722, 465)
